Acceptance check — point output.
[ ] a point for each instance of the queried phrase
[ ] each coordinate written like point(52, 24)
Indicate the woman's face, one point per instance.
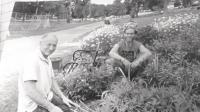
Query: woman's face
point(129, 35)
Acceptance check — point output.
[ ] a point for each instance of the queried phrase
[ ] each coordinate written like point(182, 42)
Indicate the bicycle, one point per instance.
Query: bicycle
point(84, 58)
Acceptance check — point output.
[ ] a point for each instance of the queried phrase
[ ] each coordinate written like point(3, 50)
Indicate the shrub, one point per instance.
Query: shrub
point(105, 37)
point(129, 97)
point(85, 84)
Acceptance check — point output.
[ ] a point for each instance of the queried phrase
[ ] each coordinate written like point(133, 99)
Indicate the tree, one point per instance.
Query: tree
point(157, 4)
point(68, 11)
point(118, 8)
point(132, 7)
point(108, 10)
point(187, 3)
point(81, 9)
point(177, 3)
point(98, 10)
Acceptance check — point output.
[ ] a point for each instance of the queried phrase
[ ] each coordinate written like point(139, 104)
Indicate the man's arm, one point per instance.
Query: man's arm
point(57, 91)
point(144, 55)
point(37, 97)
point(114, 54)
point(66, 100)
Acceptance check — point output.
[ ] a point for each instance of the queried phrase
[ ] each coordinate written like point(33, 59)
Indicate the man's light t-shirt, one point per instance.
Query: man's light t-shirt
point(37, 68)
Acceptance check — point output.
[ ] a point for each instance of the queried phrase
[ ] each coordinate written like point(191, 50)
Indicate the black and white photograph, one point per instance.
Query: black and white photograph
point(99, 55)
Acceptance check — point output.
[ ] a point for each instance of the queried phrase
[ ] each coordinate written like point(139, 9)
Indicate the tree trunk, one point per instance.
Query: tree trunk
point(166, 3)
point(46, 22)
point(68, 15)
point(187, 3)
point(132, 14)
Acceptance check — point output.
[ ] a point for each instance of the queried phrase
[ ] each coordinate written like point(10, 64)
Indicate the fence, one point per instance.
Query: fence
point(27, 22)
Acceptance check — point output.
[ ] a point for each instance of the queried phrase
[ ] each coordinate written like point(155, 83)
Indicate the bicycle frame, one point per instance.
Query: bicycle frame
point(78, 55)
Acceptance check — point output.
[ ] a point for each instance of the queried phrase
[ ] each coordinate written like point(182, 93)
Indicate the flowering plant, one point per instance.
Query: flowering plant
point(104, 37)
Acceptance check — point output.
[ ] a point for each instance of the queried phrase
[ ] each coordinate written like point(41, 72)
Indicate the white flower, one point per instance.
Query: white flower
point(173, 21)
point(103, 33)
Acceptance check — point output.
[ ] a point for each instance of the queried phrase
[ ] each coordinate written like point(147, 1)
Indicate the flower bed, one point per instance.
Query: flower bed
point(171, 82)
point(172, 78)
point(175, 22)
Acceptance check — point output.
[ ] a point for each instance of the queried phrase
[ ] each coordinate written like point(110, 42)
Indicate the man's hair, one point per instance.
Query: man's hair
point(130, 25)
point(48, 35)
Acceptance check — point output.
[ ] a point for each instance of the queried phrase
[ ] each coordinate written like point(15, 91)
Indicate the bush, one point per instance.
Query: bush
point(105, 37)
point(130, 97)
point(177, 3)
point(85, 83)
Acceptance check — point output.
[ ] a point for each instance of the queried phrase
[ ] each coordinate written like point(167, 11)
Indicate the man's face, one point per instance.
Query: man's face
point(129, 34)
point(48, 45)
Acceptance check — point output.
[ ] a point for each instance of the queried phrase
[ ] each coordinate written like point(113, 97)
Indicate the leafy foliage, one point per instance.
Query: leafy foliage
point(172, 77)
point(171, 80)
point(86, 83)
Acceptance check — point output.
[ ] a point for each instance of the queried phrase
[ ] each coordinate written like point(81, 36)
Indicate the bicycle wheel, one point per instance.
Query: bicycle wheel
point(83, 56)
point(69, 67)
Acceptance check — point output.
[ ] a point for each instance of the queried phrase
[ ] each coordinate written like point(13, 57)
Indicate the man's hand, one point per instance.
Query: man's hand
point(70, 103)
point(67, 101)
point(134, 64)
point(126, 63)
point(54, 109)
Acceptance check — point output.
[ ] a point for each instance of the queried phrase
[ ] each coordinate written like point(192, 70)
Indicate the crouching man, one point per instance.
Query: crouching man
point(130, 55)
point(38, 90)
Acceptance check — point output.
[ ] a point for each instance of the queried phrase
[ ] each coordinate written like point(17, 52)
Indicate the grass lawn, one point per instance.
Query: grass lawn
point(16, 29)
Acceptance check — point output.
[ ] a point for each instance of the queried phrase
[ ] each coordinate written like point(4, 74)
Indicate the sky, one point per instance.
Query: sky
point(105, 2)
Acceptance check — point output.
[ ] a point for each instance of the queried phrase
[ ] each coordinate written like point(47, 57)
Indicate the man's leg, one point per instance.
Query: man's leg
point(138, 71)
point(116, 63)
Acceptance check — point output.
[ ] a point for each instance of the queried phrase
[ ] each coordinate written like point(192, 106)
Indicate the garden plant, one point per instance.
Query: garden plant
point(170, 81)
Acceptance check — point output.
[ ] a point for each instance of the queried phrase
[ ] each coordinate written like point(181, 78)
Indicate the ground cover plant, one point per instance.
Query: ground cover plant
point(171, 80)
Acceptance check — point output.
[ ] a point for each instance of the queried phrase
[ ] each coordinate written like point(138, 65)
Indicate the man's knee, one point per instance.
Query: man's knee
point(110, 61)
point(114, 62)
